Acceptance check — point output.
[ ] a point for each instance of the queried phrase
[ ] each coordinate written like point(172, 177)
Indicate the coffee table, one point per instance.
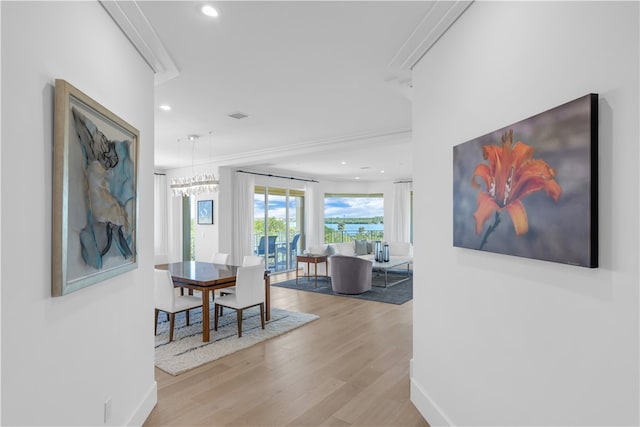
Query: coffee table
point(384, 267)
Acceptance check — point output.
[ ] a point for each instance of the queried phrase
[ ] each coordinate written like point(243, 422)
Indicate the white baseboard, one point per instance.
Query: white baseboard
point(426, 406)
point(145, 407)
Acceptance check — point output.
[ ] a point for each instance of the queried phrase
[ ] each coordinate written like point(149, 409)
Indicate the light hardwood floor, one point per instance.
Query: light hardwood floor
point(348, 368)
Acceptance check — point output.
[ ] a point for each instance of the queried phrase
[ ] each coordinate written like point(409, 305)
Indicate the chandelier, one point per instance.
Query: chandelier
point(192, 185)
point(195, 184)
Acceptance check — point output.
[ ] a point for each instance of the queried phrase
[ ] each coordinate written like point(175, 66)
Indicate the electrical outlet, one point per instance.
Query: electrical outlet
point(107, 410)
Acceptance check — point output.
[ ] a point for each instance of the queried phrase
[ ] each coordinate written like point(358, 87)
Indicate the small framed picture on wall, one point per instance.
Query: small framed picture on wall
point(205, 211)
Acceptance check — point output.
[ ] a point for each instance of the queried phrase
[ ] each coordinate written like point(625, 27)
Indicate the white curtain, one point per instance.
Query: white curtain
point(242, 215)
point(160, 218)
point(400, 227)
point(314, 233)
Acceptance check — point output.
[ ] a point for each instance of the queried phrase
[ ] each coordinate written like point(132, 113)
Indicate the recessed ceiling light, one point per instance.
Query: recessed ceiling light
point(381, 171)
point(165, 107)
point(209, 11)
point(343, 163)
point(357, 177)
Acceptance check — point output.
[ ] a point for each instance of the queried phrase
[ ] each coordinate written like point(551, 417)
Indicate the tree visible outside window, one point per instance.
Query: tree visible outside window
point(283, 210)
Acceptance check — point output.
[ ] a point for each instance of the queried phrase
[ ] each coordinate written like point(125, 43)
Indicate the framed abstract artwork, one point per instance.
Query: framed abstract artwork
point(205, 211)
point(530, 189)
point(95, 199)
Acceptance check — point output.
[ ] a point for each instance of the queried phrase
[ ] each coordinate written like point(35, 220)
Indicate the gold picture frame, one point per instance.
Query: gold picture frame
point(95, 196)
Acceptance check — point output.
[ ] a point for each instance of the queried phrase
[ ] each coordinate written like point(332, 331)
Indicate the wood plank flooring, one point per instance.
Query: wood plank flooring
point(348, 368)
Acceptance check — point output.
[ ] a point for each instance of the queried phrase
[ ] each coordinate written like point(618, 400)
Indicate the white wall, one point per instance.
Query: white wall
point(206, 236)
point(62, 358)
point(501, 340)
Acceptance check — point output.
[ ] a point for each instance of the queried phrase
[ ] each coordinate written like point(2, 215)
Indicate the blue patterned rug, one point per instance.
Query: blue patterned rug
point(397, 294)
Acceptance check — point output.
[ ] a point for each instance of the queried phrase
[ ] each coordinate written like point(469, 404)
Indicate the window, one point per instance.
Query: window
point(353, 216)
point(278, 226)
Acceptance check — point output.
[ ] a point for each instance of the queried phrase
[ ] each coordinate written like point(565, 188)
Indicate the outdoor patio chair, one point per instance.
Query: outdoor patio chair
point(293, 250)
point(271, 250)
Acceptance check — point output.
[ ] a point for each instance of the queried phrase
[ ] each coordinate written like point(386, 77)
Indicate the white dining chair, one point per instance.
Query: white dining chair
point(249, 293)
point(220, 258)
point(247, 261)
point(166, 300)
point(252, 260)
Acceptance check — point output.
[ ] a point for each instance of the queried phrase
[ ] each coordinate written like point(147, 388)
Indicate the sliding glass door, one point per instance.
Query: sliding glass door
point(278, 226)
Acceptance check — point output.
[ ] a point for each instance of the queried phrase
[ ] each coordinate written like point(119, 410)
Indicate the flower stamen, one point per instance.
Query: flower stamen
point(507, 187)
point(510, 175)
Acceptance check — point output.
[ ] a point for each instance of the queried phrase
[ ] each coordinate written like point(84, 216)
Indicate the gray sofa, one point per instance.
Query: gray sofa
point(350, 275)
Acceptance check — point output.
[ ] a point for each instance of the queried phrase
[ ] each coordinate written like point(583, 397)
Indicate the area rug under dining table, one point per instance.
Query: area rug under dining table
point(396, 294)
point(187, 351)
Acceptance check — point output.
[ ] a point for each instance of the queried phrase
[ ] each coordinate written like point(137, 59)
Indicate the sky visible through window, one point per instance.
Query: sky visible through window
point(346, 207)
point(353, 207)
point(277, 206)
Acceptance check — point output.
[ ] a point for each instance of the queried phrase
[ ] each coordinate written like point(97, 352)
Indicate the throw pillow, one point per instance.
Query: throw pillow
point(361, 247)
point(318, 250)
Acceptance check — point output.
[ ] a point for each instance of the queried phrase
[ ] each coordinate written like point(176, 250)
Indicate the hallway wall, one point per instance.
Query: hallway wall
point(502, 340)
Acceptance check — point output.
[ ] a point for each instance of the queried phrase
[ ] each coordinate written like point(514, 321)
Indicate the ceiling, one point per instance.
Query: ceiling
point(325, 84)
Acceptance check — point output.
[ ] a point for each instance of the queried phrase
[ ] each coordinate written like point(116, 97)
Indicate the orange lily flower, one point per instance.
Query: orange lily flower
point(510, 176)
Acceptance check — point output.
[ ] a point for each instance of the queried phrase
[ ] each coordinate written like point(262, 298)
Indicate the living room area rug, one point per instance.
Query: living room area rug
point(396, 294)
point(187, 351)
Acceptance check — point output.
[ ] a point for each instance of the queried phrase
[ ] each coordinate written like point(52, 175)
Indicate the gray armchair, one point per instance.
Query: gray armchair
point(350, 275)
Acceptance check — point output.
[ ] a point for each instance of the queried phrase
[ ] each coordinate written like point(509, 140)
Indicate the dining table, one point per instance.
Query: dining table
point(206, 277)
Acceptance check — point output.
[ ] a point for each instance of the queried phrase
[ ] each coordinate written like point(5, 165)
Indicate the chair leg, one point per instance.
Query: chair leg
point(171, 319)
point(239, 316)
point(215, 316)
point(262, 314)
point(155, 329)
point(187, 313)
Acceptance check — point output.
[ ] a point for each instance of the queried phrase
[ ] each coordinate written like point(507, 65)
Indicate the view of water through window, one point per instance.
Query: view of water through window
point(349, 217)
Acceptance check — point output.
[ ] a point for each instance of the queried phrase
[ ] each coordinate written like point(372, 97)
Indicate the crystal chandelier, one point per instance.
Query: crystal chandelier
point(196, 184)
point(192, 185)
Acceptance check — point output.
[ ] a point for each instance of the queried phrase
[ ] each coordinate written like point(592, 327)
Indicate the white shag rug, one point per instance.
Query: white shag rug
point(187, 351)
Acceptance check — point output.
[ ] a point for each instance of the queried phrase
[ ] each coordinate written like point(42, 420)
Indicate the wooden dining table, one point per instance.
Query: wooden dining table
point(207, 277)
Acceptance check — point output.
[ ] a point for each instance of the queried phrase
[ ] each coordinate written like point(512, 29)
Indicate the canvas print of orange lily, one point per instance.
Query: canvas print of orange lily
point(530, 189)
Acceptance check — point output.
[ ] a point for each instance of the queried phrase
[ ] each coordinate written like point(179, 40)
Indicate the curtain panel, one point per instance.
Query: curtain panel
point(160, 218)
point(243, 191)
point(400, 227)
point(314, 216)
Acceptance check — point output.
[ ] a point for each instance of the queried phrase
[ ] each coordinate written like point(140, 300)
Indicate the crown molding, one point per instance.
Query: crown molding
point(134, 24)
point(433, 25)
point(354, 141)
